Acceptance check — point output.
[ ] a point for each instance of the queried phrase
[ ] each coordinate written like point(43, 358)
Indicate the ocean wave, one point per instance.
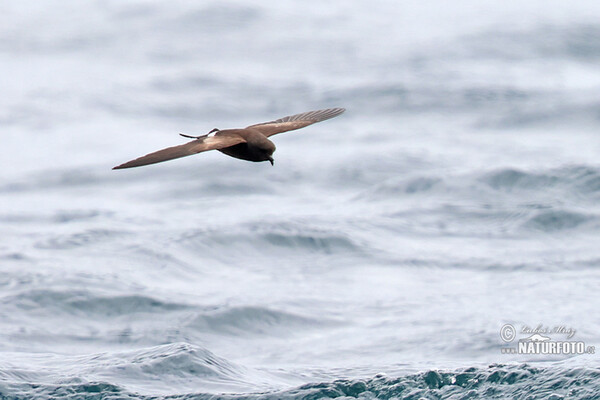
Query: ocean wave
point(254, 320)
point(579, 181)
point(505, 202)
point(16, 256)
point(181, 368)
point(559, 220)
point(177, 359)
point(271, 236)
point(57, 217)
point(84, 302)
point(89, 390)
point(510, 178)
point(90, 237)
point(403, 186)
point(495, 381)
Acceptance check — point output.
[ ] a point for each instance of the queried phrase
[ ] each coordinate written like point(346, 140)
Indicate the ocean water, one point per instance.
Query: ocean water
point(383, 254)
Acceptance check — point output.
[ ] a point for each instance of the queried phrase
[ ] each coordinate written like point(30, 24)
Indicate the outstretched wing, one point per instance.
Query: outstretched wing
point(207, 142)
point(297, 121)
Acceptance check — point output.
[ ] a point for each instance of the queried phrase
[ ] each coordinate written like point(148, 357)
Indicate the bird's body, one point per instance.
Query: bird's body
point(250, 143)
point(255, 148)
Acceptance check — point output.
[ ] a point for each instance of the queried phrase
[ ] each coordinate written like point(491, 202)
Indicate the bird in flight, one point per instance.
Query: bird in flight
point(250, 143)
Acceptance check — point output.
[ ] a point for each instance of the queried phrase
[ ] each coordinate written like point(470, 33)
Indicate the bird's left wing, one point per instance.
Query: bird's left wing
point(297, 121)
point(216, 141)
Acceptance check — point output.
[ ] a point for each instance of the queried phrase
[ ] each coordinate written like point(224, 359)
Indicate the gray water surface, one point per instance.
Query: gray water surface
point(378, 258)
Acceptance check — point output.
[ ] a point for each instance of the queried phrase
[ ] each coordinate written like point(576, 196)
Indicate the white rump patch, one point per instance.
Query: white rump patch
point(211, 134)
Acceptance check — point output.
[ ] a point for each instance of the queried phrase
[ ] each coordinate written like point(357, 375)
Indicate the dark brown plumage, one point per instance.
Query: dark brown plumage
point(250, 143)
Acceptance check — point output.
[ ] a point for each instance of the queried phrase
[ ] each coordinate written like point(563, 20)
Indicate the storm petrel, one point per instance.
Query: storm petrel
point(250, 143)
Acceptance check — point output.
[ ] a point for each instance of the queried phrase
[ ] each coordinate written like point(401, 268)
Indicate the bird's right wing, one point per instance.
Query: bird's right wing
point(216, 141)
point(297, 121)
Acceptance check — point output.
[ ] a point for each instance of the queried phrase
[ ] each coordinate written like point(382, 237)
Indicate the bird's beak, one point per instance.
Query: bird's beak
point(271, 160)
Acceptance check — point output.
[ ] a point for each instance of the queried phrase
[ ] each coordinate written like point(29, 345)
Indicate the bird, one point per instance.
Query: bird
point(250, 143)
